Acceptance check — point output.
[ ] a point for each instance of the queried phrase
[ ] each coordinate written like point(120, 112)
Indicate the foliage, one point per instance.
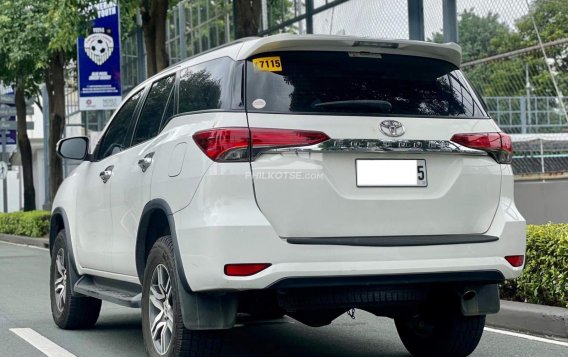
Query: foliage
point(30, 30)
point(30, 224)
point(551, 17)
point(22, 55)
point(479, 36)
point(545, 276)
point(485, 36)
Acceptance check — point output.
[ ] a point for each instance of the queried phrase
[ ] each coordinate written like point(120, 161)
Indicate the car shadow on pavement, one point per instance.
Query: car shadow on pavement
point(275, 338)
point(285, 337)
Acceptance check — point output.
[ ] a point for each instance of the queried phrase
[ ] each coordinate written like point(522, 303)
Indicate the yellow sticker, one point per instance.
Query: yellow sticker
point(270, 64)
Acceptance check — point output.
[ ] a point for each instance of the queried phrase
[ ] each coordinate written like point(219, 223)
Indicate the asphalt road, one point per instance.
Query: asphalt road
point(24, 303)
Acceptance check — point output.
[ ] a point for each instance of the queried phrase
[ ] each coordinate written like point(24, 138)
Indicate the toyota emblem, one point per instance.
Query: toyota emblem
point(392, 128)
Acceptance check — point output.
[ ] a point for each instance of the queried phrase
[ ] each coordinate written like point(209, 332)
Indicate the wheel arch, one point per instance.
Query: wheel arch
point(156, 221)
point(200, 311)
point(57, 222)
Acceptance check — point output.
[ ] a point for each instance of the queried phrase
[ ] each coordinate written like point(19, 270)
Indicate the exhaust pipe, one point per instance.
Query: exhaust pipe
point(469, 295)
point(478, 299)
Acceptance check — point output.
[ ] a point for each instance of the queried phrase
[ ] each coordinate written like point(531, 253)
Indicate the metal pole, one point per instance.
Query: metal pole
point(298, 11)
point(416, 20)
point(523, 113)
point(227, 24)
point(45, 106)
point(141, 56)
point(199, 26)
point(450, 14)
point(235, 16)
point(542, 155)
point(208, 25)
point(264, 10)
point(528, 89)
point(5, 180)
point(310, 16)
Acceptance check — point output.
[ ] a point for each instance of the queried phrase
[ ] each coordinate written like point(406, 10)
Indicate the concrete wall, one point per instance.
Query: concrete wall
point(543, 201)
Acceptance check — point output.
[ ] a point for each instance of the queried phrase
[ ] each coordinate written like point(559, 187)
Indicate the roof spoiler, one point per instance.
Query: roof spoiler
point(450, 52)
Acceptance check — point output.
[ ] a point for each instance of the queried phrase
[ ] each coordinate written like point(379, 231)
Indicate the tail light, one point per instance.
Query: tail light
point(498, 145)
point(239, 144)
point(245, 269)
point(515, 260)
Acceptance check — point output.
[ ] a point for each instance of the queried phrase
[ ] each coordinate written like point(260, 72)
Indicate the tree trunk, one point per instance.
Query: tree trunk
point(248, 17)
point(154, 15)
point(55, 83)
point(25, 148)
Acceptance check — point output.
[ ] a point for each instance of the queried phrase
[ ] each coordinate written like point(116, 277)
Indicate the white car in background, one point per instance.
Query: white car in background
point(292, 175)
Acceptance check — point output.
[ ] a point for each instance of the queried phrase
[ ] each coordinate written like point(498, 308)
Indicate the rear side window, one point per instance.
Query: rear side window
point(354, 83)
point(116, 138)
point(152, 113)
point(204, 86)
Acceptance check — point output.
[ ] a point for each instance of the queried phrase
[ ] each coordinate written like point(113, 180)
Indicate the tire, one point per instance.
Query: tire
point(161, 310)
point(69, 312)
point(450, 335)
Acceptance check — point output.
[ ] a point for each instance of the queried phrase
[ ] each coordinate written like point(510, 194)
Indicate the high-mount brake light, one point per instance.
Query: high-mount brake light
point(234, 144)
point(498, 145)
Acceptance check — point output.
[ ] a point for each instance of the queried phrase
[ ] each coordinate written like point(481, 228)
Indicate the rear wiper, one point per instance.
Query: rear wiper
point(382, 105)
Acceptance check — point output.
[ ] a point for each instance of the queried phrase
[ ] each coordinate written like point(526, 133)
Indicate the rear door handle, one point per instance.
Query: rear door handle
point(146, 162)
point(106, 174)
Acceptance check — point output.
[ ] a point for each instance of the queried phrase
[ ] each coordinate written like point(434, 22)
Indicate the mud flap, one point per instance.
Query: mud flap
point(208, 311)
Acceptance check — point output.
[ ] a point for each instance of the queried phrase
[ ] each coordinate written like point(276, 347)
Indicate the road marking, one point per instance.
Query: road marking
point(528, 337)
point(49, 348)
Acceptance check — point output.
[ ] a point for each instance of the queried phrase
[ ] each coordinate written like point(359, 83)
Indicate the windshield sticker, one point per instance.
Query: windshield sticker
point(270, 64)
point(259, 103)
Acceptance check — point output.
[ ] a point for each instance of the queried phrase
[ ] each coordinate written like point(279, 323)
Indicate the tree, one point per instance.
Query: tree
point(479, 36)
point(248, 17)
point(485, 36)
point(551, 17)
point(63, 22)
point(40, 39)
point(18, 66)
point(154, 14)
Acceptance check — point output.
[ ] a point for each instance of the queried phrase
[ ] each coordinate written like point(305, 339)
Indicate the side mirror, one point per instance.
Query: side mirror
point(76, 148)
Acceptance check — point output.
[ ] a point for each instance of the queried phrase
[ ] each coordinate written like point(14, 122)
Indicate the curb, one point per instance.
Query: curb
point(36, 242)
point(531, 318)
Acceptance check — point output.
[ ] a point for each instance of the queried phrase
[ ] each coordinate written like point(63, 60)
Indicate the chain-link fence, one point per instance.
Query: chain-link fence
point(537, 154)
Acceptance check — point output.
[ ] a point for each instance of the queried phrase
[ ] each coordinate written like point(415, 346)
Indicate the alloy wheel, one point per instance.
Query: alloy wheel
point(161, 315)
point(60, 283)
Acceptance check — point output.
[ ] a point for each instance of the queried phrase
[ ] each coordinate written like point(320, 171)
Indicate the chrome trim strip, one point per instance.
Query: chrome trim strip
point(384, 146)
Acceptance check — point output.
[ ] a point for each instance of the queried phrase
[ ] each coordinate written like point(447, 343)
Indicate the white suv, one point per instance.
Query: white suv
point(292, 175)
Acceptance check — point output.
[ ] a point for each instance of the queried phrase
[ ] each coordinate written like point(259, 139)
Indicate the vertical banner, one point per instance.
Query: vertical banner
point(7, 101)
point(99, 61)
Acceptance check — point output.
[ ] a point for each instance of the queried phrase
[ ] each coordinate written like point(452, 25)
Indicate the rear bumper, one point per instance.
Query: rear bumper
point(223, 225)
point(474, 277)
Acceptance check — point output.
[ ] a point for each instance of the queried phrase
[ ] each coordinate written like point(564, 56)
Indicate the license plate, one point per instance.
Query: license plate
point(391, 173)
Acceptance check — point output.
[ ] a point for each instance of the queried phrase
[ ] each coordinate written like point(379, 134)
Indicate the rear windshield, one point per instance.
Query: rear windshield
point(358, 83)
